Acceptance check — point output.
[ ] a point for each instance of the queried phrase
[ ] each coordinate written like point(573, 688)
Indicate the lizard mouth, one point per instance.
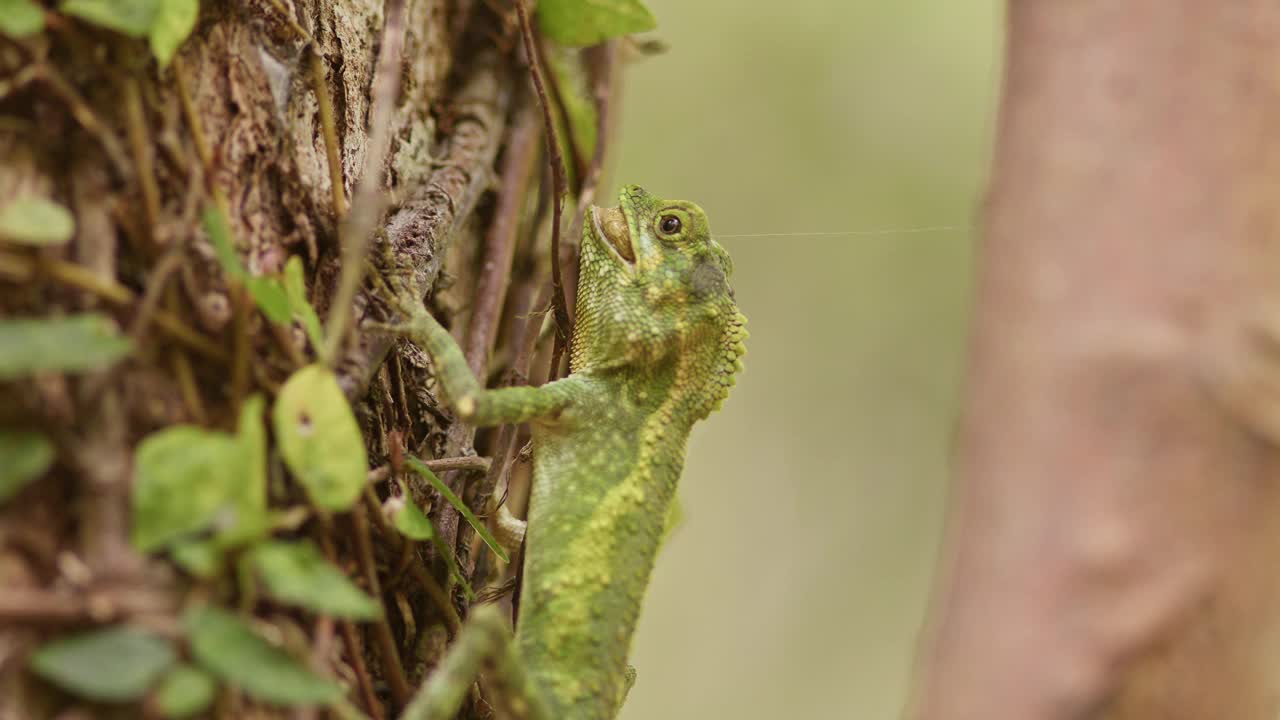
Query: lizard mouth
point(610, 225)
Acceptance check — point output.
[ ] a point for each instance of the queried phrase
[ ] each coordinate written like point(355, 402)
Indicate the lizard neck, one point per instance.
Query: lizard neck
point(605, 477)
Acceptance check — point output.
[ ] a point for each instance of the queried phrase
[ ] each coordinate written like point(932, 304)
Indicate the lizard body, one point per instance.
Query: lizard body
point(656, 347)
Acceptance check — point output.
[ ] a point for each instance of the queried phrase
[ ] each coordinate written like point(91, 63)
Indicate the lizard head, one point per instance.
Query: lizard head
point(654, 287)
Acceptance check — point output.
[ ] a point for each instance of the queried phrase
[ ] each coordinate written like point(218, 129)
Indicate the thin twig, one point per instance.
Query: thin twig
point(333, 154)
point(357, 229)
point(391, 665)
point(78, 277)
point(556, 158)
point(140, 147)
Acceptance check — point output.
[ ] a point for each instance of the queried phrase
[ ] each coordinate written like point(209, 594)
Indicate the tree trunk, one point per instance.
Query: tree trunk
point(1116, 518)
point(269, 111)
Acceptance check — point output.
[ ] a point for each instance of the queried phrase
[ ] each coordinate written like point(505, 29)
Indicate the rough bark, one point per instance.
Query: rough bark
point(1115, 517)
point(265, 106)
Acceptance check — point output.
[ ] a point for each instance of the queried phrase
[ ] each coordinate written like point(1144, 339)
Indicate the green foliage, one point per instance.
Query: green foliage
point(231, 650)
point(579, 108)
point(24, 456)
point(588, 22)
point(174, 21)
point(73, 343)
point(165, 23)
point(296, 573)
point(184, 478)
point(281, 300)
point(129, 17)
point(421, 468)
point(114, 665)
point(188, 479)
point(415, 525)
point(185, 691)
point(19, 18)
point(32, 220)
point(319, 438)
point(296, 290)
point(267, 293)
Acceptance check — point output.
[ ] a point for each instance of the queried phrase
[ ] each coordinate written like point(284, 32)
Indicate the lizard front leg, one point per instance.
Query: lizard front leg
point(484, 641)
point(473, 403)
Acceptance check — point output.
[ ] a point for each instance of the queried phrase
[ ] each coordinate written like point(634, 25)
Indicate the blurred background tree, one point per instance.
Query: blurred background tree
point(813, 501)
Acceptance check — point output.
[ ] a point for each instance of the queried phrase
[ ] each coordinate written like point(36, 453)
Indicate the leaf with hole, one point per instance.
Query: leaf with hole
point(72, 343)
point(24, 456)
point(130, 17)
point(421, 468)
point(230, 649)
point(319, 438)
point(588, 22)
point(117, 664)
point(296, 573)
point(185, 691)
point(34, 220)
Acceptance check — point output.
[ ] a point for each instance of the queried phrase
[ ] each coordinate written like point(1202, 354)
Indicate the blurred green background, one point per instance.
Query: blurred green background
point(797, 584)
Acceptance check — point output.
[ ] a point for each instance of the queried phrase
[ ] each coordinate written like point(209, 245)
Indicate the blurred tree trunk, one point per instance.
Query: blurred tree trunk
point(1115, 524)
point(265, 106)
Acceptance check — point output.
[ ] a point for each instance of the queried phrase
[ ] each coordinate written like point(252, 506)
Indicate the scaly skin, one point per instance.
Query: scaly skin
point(657, 343)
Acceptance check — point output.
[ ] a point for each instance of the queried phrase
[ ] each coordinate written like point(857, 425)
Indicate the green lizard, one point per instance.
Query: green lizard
point(656, 347)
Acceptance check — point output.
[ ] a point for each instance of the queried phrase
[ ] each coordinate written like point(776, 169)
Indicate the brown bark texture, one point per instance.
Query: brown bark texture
point(272, 107)
point(1115, 518)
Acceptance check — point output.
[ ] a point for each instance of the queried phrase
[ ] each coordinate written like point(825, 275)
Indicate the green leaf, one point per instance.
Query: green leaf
point(230, 649)
point(24, 456)
point(421, 468)
point(295, 287)
point(415, 525)
point(201, 558)
point(588, 22)
point(185, 691)
point(19, 18)
point(131, 17)
point(268, 293)
point(184, 480)
point(72, 343)
point(174, 21)
point(319, 438)
point(296, 573)
point(271, 299)
point(114, 665)
point(33, 220)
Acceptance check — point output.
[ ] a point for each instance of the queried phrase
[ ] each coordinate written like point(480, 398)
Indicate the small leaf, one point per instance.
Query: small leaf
point(184, 691)
point(33, 220)
point(230, 649)
point(270, 297)
point(74, 343)
point(131, 17)
point(219, 232)
point(201, 558)
point(588, 22)
point(413, 524)
point(24, 456)
point(296, 573)
point(268, 293)
point(184, 480)
point(114, 665)
point(295, 287)
point(319, 438)
point(20, 18)
point(174, 21)
point(421, 468)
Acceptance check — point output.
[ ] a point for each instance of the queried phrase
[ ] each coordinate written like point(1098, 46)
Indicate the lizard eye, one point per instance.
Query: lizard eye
point(669, 224)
